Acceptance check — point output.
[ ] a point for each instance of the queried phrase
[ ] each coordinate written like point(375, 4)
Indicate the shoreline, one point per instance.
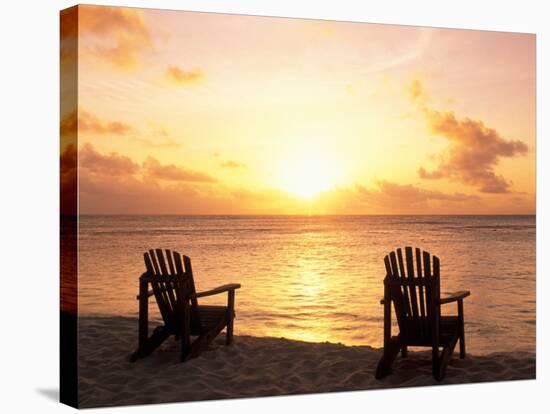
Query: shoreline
point(257, 366)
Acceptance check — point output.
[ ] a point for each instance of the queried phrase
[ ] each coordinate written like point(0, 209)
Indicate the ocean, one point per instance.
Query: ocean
point(320, 278)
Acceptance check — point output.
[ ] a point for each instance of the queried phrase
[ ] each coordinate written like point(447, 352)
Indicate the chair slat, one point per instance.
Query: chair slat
point(410, 275)
point(181, 287)
point(195, 314)
point(421, 299)
point(157, 290)
point(189, 272)
point(162, 286)
point(148, 264)
point(169, 286)
point(161, 262)
point(403, 278)
point(388, 267)
point(154, 261)
point(420, 288)
point(436, 284)
point(170, 261)
point(428, 275)
point(179, 265)
point(396, 293)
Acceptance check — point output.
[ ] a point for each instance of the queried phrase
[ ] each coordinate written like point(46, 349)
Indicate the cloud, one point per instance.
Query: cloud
point(474, 149)
point(92, 124)
point(68, 36)
point(89, 123)
point(113, 183)
point(165, 143)
point(69, 124)
point(403, 196)
point(106, 164)
point(68, 180)
point(117, 35)
point(154, 169)
point(165, 140)
point(179, 76)
point(416, 91)
point(114, 164)
point(232, 164)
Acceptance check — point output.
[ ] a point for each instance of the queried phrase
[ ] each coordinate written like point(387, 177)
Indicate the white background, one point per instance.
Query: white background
point(29, 156)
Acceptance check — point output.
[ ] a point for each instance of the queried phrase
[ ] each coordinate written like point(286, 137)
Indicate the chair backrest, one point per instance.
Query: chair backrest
point(180, 287)
point(414, 288)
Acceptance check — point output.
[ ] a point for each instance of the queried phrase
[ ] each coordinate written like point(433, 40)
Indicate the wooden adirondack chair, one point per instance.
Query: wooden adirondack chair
point(417, 303)
point(173, 287)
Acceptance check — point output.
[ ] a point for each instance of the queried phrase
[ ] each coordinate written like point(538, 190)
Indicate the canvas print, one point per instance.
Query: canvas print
point(256, 206)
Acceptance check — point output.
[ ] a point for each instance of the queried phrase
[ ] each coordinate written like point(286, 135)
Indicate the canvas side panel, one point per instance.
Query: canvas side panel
point(68, 206)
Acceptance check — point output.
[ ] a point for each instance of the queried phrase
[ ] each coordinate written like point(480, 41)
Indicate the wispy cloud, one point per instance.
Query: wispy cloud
point(157, 138)
point(474, 149)
point(232, 164)
point(179, 76)
point(153, 168)
point(393, 195)
point(164, 143)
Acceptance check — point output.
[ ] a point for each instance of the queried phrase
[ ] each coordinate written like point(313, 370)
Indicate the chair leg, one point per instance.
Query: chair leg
point(436, 363)
point(185, 331)
point(404, 352)
point(201, 343)
point(385, 363)
point(229, 333)
point(462, 344)
point(230, 317)
point(185, 350)
point(461, 333)
point(157, 338)
point(441, 367)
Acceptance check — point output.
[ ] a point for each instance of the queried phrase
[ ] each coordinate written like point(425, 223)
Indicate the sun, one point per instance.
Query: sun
point(308, 177)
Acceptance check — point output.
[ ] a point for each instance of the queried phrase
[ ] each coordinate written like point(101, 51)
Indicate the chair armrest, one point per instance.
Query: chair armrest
point(453, 297)
point(143, 278)
point(149, 294)
point(219, 289)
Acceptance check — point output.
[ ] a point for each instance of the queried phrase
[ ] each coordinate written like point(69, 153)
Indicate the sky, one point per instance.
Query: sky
point(200, 113)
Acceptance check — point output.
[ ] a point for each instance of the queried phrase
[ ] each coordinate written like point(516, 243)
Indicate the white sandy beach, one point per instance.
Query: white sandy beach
point(256, 367)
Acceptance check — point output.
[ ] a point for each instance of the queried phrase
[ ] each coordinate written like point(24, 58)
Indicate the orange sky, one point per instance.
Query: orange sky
point(195, 113)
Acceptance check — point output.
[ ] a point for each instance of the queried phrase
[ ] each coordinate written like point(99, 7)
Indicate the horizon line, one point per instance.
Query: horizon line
point(296, 215)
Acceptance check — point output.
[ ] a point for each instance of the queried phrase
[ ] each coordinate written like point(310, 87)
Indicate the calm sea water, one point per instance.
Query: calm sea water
point(320, 278)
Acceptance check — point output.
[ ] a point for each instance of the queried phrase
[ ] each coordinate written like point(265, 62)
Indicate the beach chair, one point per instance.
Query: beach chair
point(412, 285)
point(172, 285)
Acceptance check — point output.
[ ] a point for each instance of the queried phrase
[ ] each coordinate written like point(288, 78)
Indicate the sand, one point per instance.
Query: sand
point(254, 367)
